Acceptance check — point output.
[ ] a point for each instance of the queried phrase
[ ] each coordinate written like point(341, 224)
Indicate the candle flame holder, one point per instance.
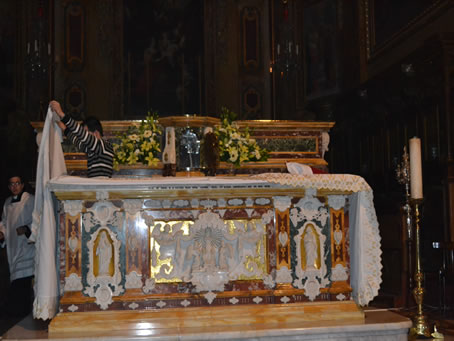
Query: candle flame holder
point(420, 328)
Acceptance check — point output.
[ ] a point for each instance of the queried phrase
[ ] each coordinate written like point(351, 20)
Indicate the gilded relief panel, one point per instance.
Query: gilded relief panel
point(207, 252)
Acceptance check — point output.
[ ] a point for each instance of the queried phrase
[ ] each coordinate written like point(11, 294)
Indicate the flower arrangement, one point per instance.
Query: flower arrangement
point(140, 144)
point(235, 146)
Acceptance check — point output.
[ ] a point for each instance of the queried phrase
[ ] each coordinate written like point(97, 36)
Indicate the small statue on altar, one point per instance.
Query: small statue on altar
point(189, 150)
point(169, 153)
point(210, 152)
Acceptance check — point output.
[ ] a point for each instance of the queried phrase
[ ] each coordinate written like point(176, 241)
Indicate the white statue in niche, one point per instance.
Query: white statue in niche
point(104, 253)
point(209, 256)
point(310, 248)
point(193, 255)
point(225, 253)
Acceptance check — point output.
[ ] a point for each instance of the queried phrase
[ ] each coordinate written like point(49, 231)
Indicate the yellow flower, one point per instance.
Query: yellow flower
point(132, 159)
point(146, 146)
point(121, 155)
point(150, 159)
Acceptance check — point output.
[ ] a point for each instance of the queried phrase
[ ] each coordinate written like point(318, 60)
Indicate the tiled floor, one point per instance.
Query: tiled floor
point(443, 322)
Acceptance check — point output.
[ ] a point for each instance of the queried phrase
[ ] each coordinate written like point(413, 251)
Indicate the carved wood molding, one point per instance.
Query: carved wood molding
point(74, 37)
point(251, 37)
point(367, 24)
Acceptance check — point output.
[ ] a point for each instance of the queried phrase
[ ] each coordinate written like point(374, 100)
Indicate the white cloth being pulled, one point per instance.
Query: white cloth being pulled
point(51, 164)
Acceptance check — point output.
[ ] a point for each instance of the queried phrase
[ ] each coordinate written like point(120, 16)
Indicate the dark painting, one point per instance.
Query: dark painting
point(390, 16)
point(320, 49)
point(163, 44)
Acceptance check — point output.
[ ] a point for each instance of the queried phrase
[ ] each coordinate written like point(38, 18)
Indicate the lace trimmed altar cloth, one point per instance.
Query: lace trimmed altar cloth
point(365, 239)
point(365, 253)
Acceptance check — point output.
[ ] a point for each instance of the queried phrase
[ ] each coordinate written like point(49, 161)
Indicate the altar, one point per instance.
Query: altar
point(298, 248)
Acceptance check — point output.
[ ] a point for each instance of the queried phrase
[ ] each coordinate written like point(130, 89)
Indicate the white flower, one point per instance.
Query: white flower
point(257, 154)
point(133, 137)
point(147, 133)
point(233, 155)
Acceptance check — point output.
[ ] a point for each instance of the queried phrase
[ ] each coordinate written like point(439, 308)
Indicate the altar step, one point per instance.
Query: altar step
point(168, 321)
point(378, 325)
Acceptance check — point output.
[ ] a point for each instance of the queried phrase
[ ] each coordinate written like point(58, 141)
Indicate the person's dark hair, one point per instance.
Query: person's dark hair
point(14, 175)
point(24, 180)
point(93, 124)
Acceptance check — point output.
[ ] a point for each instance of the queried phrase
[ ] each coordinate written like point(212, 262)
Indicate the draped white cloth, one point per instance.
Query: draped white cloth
point(51, 164)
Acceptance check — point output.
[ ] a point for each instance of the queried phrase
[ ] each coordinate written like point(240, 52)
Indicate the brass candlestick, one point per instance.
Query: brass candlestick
point(420, 327)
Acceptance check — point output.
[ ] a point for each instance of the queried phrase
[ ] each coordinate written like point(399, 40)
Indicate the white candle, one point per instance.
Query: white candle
point(36, 45)
point(415, 168)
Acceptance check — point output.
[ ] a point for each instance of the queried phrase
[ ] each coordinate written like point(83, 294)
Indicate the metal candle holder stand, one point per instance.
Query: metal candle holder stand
point(420, 328)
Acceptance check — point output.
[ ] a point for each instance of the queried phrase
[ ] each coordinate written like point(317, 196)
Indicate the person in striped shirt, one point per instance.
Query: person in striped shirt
point(88, 139)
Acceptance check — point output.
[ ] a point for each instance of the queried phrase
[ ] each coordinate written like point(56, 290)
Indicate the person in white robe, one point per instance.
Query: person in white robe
point(14, 233)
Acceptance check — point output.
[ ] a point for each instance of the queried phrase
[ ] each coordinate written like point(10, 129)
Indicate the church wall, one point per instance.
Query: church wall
point(86, 81)
point(406, 91)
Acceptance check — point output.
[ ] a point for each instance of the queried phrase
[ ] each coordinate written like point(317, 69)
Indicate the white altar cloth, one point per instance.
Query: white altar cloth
point(364, 235)
point(365, 257)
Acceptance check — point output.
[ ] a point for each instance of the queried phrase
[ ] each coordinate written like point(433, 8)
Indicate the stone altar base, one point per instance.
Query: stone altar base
point(378, 325)
point(176, 319)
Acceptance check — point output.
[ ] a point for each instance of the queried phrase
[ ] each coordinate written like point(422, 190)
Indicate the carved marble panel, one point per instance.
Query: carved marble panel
point(73, 245)
point(104, 275)
point(176, 252)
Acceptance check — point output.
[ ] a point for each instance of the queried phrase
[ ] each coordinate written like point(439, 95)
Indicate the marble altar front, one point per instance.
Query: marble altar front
point(176, 244)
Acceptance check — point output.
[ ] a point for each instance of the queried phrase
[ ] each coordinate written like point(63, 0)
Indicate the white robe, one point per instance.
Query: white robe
point(21, 254)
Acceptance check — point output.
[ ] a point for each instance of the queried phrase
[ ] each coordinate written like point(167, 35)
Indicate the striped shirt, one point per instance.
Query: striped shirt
point(99, 151)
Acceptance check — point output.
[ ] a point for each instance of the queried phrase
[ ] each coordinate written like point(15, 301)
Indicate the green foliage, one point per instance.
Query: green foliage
point(237, 146)
point(140, 144)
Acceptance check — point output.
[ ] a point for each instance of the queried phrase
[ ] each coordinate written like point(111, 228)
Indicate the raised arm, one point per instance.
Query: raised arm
point(78, 136)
